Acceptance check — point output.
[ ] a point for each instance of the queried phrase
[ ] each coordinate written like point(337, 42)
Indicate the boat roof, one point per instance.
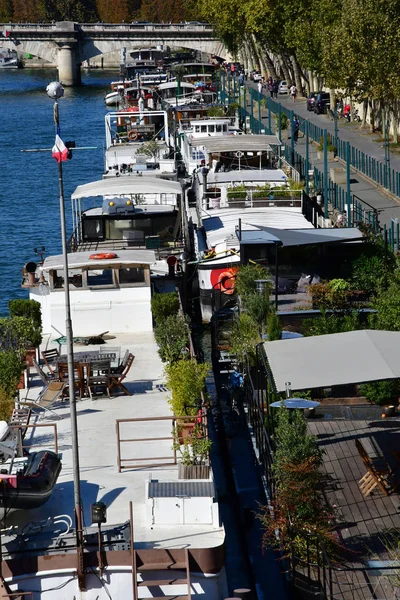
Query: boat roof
point(300, 237)
point(221, 225)
point(247, 176)
point(138, 208)
point(82, 259)
point(100, 479)
point(174, 84)
point(121, 186)
point(235, 143)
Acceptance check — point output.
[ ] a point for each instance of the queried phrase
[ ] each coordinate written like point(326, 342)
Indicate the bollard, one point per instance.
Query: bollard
point(242, 593)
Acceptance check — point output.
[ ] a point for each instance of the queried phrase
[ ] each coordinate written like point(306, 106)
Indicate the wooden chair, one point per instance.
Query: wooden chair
point(80, 369)
point(49, 357)
point(99, 378)
point(45, 378)
point(379, 473)
point(119, 369)
point(116, 379)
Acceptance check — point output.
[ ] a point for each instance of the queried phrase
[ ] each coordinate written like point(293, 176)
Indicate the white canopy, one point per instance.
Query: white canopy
point(169, 85)
point(122, 186)
point(78, 260)
point(334, 359)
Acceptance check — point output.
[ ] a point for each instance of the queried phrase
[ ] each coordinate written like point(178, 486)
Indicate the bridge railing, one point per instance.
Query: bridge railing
point(107, 26)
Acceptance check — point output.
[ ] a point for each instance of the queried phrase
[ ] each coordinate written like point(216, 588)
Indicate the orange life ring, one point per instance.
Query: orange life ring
point(103, 255)
point(133, 135)
point(226, 282)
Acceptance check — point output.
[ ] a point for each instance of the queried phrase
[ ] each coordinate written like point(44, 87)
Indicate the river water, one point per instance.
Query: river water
point(29, 192)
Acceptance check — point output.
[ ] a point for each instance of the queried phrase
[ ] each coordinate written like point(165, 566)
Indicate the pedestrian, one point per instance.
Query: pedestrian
point(275, 89)
point(260, 87)
point(241, 79)
point(347, 112)
point(271, 89)
point(246, 74)
point(293, 92)
point(295, 129)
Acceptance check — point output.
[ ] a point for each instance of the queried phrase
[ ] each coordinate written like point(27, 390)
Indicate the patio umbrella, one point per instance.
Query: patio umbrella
point(295, 403)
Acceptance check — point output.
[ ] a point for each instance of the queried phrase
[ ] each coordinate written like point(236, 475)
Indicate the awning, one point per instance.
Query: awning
point(121, 186)
point(335, 359)
point(299, 237)
point(236, 143)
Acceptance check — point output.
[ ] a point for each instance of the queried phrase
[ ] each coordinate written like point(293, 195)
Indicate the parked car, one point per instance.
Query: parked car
point(311, 101)
point(322, 102)
point(283, 87)
point(255, 76)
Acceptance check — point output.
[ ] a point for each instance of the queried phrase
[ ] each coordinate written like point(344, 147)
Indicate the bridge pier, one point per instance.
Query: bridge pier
point(69, 71)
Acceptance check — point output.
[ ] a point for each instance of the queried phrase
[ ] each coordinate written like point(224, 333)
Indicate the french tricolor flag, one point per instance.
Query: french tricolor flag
point(59, 150)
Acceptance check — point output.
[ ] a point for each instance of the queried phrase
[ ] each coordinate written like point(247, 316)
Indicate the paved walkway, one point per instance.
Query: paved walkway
point(360, 186)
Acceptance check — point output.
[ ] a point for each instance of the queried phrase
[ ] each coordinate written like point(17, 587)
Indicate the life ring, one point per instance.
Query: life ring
point(226, 282)
point(133, 135)
point(103, 255)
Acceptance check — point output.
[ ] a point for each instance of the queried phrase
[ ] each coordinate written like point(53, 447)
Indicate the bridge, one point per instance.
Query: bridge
point(68, 44)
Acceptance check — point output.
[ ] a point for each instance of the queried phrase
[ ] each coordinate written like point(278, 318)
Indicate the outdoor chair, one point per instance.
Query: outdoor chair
point(99, 379)
point(20, 418)
point(49, 357)
point(379, 473)
point(47, 398)
point(119, 369)
point(45, 378)
point(116, 379)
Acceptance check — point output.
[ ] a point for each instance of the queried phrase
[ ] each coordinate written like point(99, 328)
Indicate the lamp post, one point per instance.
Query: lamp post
point(55, 91)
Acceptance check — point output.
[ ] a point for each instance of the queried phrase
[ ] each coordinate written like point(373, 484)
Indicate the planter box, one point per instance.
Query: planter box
point(237, 202)
point(193, 471)
point(338, 175)
point(320, 155)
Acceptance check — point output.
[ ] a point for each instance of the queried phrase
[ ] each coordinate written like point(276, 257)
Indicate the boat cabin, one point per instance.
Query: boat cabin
point(108, 290)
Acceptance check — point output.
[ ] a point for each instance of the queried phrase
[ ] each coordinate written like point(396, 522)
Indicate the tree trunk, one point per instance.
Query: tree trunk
point(297, 76)
point(269, 65)
point(286, 71)
point(395, 122)
point(371, 104)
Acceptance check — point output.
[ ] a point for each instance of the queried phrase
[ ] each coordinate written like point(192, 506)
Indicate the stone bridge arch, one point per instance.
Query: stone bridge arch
point(68, 44)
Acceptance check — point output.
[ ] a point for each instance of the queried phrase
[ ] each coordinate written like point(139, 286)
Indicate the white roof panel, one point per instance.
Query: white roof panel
point(234, 143)
point(334, 359)
point(127, 185)
point(82, 259)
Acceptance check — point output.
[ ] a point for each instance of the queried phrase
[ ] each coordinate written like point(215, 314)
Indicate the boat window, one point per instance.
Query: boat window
point(92, 229)
point(74, 279)
point(100, 277)
point(203, 128)
point(197, 155)
point(131, 275)
point(211, 128)
point(225, 127)
point(197, 128)
point(218, 128)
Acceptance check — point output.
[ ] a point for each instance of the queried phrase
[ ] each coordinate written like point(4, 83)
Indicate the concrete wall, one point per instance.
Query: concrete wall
point(123, 310)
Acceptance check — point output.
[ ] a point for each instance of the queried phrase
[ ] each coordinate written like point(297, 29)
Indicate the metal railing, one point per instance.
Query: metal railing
point(33, 426)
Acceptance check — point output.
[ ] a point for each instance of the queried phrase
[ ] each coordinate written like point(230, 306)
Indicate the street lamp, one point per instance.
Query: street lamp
point(55, 91)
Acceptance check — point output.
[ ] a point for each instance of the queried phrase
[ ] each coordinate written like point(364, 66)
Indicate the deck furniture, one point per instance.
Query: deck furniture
point(47, 398)
point(116, 379)
point(49, 357)
point(99, 377)
point(46, 378)
point(121, 366)
point(81, 370)
point(20, 418)
point(379, 473)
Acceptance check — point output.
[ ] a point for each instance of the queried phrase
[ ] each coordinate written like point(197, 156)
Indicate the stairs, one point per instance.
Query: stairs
point(161, 574)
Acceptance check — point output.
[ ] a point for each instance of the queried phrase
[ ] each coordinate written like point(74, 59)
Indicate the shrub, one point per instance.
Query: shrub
point(31, 311)
point(274, 327)
point(330, 146)
point(186, 380)
point(284, 121)
point(10, 370)
point(380, 392)
point(257, 307)
point(247, 276)
point(368, 273)
point(331, 324)
point(164, 305)
point(245, 337)
point(262, 191)
point(172, 336)
point(237, 191)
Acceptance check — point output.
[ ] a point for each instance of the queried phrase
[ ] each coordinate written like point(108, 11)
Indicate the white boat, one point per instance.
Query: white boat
point(137, 143)
point(9, 59)
point(220, 162)
point(176, 93)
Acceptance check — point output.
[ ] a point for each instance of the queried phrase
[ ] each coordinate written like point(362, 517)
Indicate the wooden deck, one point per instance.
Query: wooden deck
point(361, 521)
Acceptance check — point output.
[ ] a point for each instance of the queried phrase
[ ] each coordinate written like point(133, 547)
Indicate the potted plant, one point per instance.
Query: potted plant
point(382, 393)
point(237, 195)
point(330, 147)
point(194, 454)
point(29, 331)
point(186, 380)
point(11, 368)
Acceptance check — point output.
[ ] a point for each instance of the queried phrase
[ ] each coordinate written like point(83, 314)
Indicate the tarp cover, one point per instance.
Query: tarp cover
point(334, 359)
point(299, 237)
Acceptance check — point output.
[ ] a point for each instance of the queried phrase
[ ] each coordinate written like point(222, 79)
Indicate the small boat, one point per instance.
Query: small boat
point(28, 480)
point(9, 59)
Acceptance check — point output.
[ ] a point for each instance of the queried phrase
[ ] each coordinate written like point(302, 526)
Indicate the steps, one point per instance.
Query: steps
point(168, 561)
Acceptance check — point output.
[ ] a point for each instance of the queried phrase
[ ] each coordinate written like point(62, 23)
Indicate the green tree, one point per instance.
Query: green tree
point(274, 327)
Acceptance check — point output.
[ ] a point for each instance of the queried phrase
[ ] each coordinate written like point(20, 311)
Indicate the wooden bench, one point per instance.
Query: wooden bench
point(379, 473)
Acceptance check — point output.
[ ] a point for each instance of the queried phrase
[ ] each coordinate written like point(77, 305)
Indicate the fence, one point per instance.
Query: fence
point(250, 104)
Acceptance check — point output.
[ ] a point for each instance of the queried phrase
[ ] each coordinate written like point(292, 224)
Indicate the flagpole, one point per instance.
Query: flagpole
point(56, 91)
